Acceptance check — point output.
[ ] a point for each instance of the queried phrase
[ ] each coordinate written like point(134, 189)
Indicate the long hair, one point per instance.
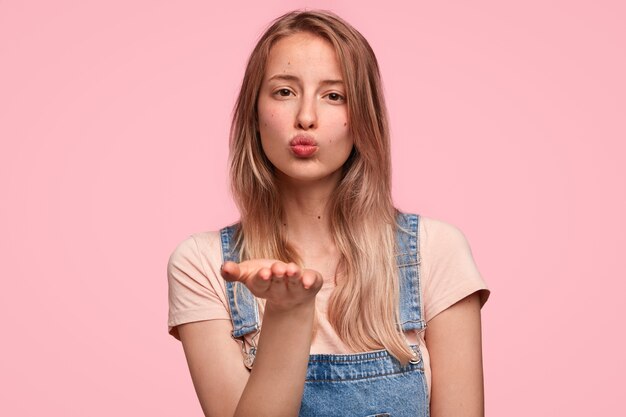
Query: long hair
point(364, 307)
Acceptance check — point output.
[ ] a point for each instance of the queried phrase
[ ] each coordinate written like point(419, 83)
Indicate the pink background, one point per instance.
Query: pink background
point(508, 121)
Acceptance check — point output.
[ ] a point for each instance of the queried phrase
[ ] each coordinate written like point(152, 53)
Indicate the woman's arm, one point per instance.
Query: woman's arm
point(215, 364)
point(275, 385)
point(453, 339)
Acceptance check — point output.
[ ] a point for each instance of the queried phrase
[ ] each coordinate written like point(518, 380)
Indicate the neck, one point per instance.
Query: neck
point(306, 211)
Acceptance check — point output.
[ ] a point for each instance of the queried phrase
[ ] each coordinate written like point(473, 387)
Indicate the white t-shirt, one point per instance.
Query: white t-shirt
point(448, 273)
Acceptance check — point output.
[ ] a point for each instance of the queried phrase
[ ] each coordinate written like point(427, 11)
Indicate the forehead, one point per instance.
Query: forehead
point(303, 52)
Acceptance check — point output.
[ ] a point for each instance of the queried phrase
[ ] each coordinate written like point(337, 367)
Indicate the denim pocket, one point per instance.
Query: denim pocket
point(379, 415)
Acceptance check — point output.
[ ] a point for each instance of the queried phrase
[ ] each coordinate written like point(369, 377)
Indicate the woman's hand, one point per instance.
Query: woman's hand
point(283, 285)
point(275, 385)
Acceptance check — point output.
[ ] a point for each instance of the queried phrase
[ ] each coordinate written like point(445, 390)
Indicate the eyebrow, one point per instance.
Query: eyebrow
point(289, 77)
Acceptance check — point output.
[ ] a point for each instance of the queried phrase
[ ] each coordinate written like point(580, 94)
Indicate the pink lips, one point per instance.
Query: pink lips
point(303, 146)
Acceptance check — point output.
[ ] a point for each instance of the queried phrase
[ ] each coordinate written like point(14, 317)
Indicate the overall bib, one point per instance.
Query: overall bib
point(361, 384)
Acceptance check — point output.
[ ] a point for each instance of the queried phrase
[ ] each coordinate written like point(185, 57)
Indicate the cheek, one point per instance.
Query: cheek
point(272, 129)
point(271, 117)
point(265, 115)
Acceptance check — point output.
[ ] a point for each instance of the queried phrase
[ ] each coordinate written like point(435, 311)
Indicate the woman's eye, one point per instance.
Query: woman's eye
point(335, 97)
point(283, 92)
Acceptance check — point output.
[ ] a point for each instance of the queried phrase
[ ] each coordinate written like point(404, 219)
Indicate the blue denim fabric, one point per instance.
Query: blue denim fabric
point(362, 384)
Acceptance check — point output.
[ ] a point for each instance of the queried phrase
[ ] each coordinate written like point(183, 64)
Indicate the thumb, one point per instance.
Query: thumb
point(230, 271)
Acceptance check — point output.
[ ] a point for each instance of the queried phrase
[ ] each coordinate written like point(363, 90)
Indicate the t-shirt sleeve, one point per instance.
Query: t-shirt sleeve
point(450, 273)
point(193, 295)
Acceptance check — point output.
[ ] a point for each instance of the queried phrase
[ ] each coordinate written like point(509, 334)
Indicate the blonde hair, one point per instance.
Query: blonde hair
point(364, 307)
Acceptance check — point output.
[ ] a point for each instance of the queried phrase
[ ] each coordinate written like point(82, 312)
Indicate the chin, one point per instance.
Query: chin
point(309, 177)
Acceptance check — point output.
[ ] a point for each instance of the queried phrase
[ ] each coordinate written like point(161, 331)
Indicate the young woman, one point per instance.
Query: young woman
point(324, 299)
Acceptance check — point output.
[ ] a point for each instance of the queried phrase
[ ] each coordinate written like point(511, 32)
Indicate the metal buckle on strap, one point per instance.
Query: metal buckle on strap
point(416, 357)
point(249, 355)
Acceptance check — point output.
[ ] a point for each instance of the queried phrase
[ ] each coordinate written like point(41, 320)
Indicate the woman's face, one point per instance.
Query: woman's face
point(302, 110)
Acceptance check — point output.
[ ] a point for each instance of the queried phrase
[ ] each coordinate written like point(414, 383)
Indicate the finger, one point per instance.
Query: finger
point(279, 269)
point(292, 274)
point(261, 281)
point(311, 279)
point(264, 274)
point(293, 281)
point(230, 271)
point(308, 279)
point(292, 270)
point(278, 283)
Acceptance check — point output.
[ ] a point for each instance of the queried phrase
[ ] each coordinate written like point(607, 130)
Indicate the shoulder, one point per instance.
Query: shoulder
point(441, 235)
point(195, 288)
point(196, 245)
point(449, 269)
point(199, 252)
point(443, 242)
point(436, 237)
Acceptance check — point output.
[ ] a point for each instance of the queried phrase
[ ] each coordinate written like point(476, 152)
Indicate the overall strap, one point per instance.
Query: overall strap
point(244, 310)
point(408, 260)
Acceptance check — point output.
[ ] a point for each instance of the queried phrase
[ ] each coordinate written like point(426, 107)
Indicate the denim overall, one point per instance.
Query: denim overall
point(362, 384)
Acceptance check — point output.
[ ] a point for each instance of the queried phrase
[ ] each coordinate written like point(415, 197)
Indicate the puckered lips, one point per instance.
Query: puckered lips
point(303, 146)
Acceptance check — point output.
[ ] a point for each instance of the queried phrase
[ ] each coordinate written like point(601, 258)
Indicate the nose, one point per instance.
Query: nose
point(307, 114)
